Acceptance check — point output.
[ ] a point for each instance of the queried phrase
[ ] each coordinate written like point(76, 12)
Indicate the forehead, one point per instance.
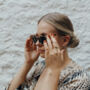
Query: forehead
point(45, 28)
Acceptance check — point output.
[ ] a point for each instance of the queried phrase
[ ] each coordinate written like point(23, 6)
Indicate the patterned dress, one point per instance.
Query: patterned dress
point(72, 77)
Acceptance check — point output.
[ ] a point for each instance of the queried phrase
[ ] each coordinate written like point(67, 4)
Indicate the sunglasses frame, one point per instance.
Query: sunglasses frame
point(36, 38)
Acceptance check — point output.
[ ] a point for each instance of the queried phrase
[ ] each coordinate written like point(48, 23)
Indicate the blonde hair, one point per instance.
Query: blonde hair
point(63, 25)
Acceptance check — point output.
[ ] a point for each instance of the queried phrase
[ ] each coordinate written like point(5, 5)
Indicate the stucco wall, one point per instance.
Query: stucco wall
point(18, 19)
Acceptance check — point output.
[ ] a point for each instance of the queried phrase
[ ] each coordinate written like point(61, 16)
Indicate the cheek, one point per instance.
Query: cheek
point(60, 42)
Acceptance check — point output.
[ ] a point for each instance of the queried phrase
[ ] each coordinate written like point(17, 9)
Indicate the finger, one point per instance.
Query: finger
point(46, 48)
point(34, 46)
point(32, 37)
point(49, 42)
point(27, 45)
point(54, 41)
point(32, 42)
point(55, 44)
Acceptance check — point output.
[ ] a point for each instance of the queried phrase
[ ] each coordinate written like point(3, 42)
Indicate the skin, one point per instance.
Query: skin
point(55, 58)
point(46, 28)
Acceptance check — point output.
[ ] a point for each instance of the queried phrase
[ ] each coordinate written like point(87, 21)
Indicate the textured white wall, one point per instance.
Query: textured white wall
point(18, 19)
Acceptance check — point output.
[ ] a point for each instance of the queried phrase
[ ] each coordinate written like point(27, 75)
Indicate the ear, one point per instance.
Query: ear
point(66, 40)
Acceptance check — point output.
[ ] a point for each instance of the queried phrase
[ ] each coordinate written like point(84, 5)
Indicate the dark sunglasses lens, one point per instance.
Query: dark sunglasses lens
point(41, 39)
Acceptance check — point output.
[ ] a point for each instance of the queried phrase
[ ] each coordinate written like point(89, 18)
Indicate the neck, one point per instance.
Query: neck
point(66, 58)
point(66, 55)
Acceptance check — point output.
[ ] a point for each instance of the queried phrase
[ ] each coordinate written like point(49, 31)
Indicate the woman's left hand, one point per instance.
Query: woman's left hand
point(54, 57)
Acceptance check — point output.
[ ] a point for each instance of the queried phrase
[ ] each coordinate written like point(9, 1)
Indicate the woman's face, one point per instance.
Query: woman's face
point(45, 28)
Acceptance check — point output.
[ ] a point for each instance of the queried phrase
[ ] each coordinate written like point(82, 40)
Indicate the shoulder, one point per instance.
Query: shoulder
point(74, 76)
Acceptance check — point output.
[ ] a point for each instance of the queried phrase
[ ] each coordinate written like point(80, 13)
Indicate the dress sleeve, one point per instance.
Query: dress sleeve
point(76, 81)
point(25, 84)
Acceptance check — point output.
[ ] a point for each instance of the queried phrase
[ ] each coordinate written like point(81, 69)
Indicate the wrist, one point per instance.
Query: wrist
point(30, 64)
point(51, 71)
point(54, 69)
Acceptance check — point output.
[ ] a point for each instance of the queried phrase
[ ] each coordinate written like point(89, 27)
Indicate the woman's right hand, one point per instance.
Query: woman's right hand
point(31, 51)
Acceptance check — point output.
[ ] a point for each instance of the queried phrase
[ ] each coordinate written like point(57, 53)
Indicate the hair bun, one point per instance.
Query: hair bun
point(74, 42)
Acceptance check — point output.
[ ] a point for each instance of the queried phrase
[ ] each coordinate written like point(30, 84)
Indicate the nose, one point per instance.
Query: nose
point(38, 44)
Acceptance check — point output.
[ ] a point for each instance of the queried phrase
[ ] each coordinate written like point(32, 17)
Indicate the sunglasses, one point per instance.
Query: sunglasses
point(36, 38)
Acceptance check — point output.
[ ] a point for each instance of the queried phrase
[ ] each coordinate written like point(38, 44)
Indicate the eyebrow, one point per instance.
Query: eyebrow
point(41, 34)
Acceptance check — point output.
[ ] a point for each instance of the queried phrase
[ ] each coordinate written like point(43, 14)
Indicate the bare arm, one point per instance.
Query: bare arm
point(31, 55)
point(48, 80)
point(20, 76)
point(54, 64)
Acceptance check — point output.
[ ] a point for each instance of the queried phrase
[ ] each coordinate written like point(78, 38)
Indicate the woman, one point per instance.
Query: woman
point(58, 71)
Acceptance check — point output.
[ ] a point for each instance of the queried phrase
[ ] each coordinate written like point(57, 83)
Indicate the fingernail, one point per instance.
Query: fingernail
point(53, 35)
point(48, 36)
